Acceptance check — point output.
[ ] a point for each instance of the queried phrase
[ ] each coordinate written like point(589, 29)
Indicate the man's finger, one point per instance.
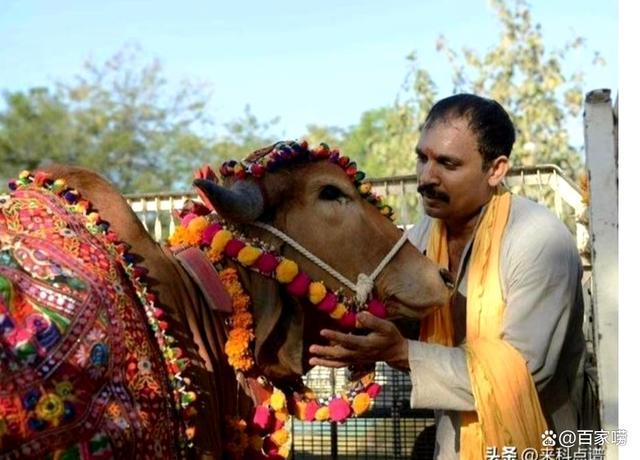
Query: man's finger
point(369, 321)
point(333, 351)
point(327, 363)
point(353, 342)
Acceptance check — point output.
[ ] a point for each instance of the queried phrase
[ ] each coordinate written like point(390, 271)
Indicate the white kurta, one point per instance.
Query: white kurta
point(541, 277)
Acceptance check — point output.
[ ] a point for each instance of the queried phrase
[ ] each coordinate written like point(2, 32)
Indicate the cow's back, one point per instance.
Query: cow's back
point(81, 373)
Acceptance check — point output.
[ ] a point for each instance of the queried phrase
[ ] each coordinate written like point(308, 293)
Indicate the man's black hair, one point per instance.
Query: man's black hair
point(487, 119)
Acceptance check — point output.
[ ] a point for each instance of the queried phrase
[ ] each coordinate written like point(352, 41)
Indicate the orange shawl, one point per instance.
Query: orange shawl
point(508, 411)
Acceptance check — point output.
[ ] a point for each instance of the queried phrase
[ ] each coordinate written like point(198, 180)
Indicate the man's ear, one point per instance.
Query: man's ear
point(498, 170)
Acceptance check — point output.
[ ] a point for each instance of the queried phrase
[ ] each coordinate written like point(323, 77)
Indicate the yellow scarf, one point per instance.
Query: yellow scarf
point(508, 411)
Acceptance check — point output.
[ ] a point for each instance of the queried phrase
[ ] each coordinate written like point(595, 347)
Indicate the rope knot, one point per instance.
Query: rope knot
point(364, 286)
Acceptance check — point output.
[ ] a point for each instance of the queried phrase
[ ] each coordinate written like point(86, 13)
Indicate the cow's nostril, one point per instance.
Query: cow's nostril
point(447, 277)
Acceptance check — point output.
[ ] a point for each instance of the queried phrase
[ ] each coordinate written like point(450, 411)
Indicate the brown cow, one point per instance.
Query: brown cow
point(313, 202)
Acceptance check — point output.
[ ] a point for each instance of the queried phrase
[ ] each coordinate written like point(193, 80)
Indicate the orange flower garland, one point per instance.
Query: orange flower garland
point(267, 434)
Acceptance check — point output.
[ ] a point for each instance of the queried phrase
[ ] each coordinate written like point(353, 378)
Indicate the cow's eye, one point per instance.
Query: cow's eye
point(330, 193)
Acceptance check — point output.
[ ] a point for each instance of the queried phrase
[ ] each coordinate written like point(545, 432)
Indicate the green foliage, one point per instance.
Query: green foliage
point(119, 118)
point(123, 119)
point(243, 136)
point(518, 71)
point(528, 80)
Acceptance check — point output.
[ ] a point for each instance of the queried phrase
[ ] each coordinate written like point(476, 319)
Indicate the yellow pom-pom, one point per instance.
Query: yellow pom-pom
point(280, 437)
point(220, 240)
point(286, 271)
point(339, 311)
point(248, 255)
point(317, 291)
point(322, 414)
point(365, 188)
point(361, 403)
point(23, 174)
point(300, 409)
point(197, 224)
point(277, 400)
point(283, 451)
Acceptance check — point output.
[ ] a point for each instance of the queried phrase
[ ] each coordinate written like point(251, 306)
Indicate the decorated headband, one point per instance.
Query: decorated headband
point(283, 154)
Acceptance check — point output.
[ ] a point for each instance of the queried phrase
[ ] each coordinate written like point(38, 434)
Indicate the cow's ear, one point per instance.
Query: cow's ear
point(279, 331)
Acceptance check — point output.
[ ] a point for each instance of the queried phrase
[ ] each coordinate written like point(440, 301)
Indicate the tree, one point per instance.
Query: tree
point(518, 72)
point(529, 81)
point(243, 136)
point(119, 118)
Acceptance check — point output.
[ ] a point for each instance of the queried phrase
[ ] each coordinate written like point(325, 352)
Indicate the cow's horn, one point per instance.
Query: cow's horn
point(242, 203)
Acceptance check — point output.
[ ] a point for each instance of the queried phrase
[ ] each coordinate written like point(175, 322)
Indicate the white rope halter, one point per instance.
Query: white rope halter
point(364, 285)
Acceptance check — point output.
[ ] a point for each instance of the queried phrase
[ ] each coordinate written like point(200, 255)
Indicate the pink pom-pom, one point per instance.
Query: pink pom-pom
point(233, 247)
point(278, 424)
point(373, 390)
point(377, 308)
point(328, 304)
point(310, 410)
point(299, 286)
point(262, 417)
point(339, 410)
point(348, 320)
point(188, 218)
point(266, 263)
point(209, 232)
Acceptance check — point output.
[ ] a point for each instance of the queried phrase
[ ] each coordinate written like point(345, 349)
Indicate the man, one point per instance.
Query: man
point(502, 364)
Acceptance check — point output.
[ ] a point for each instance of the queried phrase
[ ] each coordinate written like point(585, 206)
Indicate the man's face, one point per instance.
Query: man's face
point(451, 179)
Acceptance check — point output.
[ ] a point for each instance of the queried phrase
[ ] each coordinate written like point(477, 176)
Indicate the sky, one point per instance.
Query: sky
point(306, 63)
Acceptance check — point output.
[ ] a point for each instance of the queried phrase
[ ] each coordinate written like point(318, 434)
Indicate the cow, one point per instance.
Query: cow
point(87, 377)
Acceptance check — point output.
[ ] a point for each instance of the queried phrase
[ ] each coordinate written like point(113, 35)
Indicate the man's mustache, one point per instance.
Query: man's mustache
point(429, 191)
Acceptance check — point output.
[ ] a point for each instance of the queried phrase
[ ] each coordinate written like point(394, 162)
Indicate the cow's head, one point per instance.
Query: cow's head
point(315, 201)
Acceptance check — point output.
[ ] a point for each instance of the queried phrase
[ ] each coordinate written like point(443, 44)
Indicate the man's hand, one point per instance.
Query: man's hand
point(383, 343)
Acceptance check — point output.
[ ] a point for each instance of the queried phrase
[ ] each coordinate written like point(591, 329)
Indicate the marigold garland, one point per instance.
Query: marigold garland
point(267, 433)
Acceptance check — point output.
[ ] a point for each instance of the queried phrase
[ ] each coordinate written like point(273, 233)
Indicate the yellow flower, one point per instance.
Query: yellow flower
point(50, 408)
point(322, 414)
point(361, 403)
point(317, 292)
point(178, 237)
point(278, 400)
point(220, 240)
point(283, 451)
point(286, 271)
point(242, 320)
point(280, 437)
point(197, 224)
point(339, 311)
point(248, 255)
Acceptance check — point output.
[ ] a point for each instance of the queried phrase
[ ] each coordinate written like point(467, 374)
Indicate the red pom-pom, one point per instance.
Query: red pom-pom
point(310, 410)
point(377, 308)
point(188, 218)
point(257, 170)
point(344, 161)
point(266, 263)
point(348, 320)
point(262, 417)
point(233, 247)
point(373, 390)
point(299, 286)
point(339, 410)
point(209, 232)
point(328, 304)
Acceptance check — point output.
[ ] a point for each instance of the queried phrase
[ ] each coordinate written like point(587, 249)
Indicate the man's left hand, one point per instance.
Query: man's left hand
point(384, 342)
